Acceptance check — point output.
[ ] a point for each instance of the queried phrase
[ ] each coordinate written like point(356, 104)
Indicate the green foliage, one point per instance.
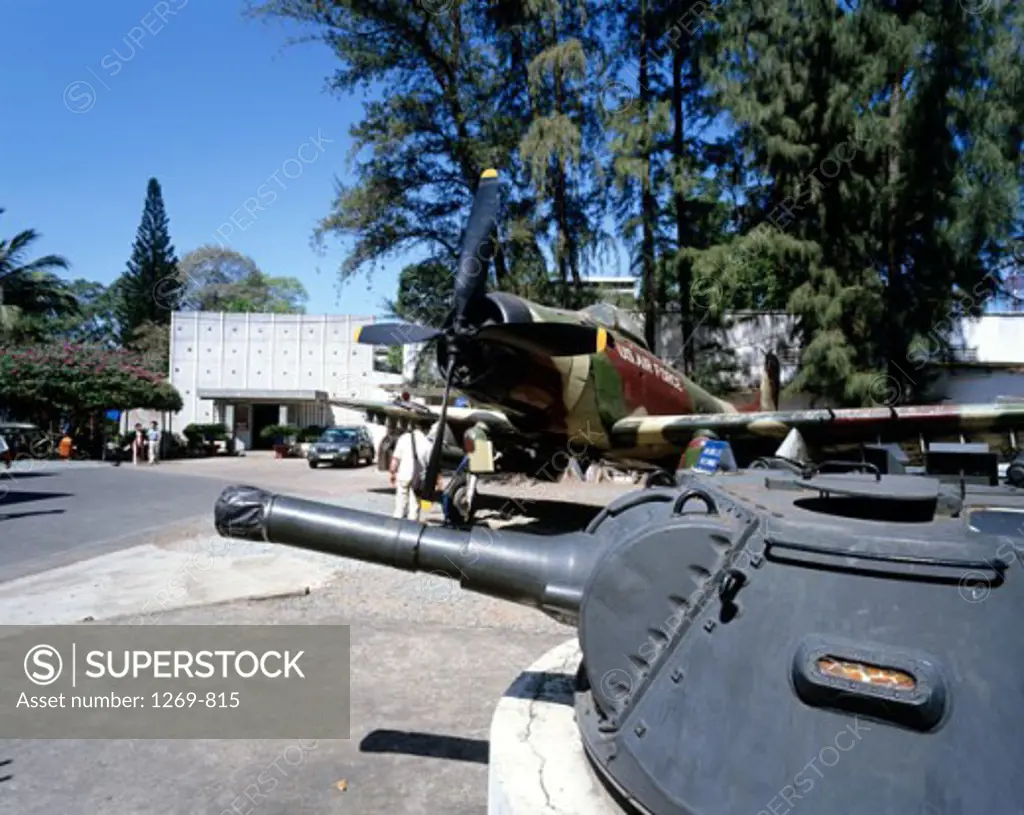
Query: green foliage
point(197, 434)
point(280, 433)
point(93, 322)
point(865, 135)
point(310, 434)
point(147, 292)
point(212, 278)
point(29, 288)
point(76, 379)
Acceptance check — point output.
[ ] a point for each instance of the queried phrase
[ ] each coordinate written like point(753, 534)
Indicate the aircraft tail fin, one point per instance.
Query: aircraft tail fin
point(767, 399)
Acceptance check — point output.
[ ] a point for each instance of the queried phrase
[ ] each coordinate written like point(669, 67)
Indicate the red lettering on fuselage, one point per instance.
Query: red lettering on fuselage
point(647, 382)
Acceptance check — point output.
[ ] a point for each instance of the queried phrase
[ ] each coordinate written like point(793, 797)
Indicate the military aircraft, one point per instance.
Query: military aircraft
point(550, 381)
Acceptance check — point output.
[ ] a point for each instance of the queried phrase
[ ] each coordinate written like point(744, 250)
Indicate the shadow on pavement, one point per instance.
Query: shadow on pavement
point(23, 497)
point(543, 686)
point(425, 744)
point(543, 516)
point(11, 516)
point(7, 776)
point(18, 475)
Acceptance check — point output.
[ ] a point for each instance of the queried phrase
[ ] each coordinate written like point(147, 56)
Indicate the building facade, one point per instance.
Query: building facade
point(249, 371)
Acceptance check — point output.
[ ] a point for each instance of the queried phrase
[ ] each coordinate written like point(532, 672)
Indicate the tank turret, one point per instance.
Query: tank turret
point(758, 642)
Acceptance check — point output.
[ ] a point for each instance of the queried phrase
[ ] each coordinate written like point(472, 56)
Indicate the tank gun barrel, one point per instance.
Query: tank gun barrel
point(547, 573)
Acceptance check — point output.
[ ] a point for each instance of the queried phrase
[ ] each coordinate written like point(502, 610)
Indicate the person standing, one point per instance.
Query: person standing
point(138, 443)
point(5, 452)
point(407, 469)
point(153, 438)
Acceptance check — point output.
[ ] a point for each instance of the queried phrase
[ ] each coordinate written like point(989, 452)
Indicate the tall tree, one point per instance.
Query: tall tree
point(466, 83)
point(146, 290)
point(212, 278)
point(562, 144)
point(637, 125)
point(29, 287)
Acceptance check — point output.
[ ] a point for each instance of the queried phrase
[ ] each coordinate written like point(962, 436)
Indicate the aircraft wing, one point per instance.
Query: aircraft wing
point(495, 420)
point(824, 425)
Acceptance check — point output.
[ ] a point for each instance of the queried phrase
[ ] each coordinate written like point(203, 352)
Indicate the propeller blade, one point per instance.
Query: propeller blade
point(553, 339)
point(394, 334)
point(477, 249)
point(429, 488)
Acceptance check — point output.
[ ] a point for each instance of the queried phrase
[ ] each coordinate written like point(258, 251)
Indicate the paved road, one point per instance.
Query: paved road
point(55, 513)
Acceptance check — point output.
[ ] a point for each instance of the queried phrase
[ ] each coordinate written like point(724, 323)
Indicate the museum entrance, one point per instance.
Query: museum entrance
point(263, 416)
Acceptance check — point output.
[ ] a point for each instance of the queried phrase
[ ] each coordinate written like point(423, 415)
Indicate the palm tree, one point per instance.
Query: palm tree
point(30, 287)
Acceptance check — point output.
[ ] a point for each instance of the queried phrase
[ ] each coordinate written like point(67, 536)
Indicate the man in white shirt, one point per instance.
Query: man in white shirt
point(153, 437)
point(410, 458)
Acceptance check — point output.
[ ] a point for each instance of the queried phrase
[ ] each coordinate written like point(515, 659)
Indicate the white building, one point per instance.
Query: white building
point(249, 371)
point(620, 290)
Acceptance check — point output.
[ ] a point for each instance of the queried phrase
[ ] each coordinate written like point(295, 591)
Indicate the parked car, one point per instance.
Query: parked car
point(341, 445)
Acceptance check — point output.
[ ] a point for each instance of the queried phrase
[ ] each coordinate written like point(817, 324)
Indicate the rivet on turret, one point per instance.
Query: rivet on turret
point(757, 561)
point(676, 675)
point(640, 729)
point(709, 625)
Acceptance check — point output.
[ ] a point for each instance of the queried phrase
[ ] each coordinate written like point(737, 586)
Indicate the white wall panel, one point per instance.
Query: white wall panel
point(269, 352)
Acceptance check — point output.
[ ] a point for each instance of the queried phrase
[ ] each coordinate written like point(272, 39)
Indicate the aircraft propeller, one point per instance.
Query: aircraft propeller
point(460, 330)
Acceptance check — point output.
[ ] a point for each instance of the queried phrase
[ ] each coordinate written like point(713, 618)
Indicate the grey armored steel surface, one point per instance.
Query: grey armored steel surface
point(546, 573)
point(706, 613)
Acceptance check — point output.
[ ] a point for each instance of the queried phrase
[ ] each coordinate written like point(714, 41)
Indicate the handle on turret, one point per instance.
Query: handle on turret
point(547, 573)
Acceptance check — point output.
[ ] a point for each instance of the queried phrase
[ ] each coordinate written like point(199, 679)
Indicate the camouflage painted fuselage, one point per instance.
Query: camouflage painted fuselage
point(577, 400)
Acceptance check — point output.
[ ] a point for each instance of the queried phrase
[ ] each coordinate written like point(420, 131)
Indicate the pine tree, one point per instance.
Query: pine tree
point(560, 148)
point(636, 125)
point(693, 208)
point(802, 233)
point(147, 292)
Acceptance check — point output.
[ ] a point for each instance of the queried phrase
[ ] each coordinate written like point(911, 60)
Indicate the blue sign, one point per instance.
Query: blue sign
point(461, 401)
point(113, 415)
point(715, 456)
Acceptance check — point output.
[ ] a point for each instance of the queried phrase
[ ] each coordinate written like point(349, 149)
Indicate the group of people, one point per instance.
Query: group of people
point(145, 444)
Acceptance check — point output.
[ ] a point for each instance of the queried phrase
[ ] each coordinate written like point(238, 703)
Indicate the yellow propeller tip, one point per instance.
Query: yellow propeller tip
point(602, 340)
point(358, 332)
point(489, 174)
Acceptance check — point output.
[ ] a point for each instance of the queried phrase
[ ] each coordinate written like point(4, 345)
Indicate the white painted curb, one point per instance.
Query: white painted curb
point(537, 764)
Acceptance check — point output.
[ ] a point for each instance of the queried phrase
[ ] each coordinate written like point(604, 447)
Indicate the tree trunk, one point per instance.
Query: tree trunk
point(648, 206)
point(565, 244)
point(683, 270)
point(895, 282)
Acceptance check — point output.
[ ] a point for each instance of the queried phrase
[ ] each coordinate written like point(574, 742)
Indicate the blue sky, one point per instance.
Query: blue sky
point(210, 103)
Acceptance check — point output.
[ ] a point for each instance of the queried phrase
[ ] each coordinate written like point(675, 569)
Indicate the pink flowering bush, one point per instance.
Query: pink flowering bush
point(80, 378)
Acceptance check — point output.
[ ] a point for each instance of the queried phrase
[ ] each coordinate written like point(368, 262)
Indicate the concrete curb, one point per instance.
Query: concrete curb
point(537, 764)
